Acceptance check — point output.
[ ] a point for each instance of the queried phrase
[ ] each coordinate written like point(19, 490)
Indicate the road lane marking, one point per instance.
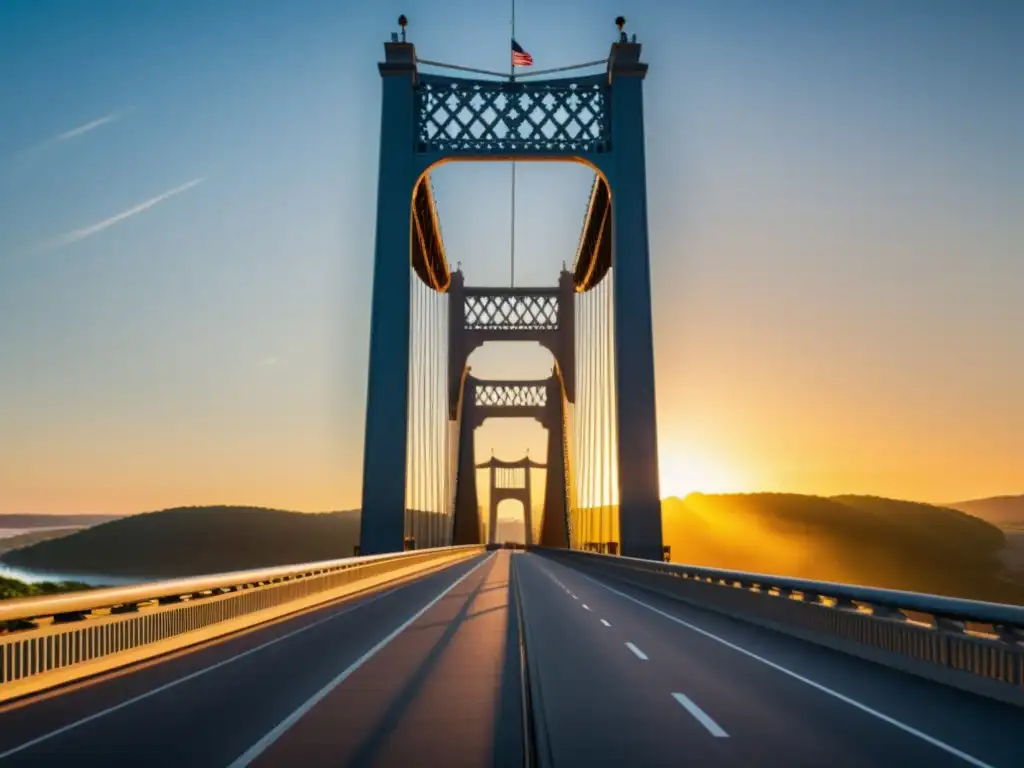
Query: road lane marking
point(574, 596)
point(198, 673)
point(605, 623)
point(797, 676)
point(701, 716)
point(586, 607)
point(279, 730)
point(637, 652)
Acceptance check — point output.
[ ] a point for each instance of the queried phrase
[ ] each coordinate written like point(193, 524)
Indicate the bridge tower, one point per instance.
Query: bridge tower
point(510, 480)
point(428, 119)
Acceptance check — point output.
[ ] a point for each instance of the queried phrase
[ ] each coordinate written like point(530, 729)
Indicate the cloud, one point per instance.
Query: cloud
point(88, 127)
point(35, 150)
point(267, 362)
point(92, 229)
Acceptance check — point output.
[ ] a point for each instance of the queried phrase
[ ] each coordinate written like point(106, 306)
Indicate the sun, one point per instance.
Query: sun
point(685, 471)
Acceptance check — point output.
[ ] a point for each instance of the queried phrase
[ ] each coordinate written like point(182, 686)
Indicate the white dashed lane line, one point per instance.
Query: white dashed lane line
point(637, 652)
point(700, 716)
point(586, 607)
point(603, 621)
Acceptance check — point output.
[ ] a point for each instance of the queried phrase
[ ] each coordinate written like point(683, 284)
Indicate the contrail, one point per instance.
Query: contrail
point(87, 127)
point(34, 151)
point(81, 234)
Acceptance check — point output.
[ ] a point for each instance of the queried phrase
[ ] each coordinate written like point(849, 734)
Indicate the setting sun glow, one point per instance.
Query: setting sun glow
point(684, 471)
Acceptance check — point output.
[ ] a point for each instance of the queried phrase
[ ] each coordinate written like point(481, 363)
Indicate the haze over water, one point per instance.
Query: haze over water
point(187, 201)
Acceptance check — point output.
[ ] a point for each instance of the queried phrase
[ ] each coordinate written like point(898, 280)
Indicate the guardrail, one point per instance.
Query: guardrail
point(969, 644)
point(47, 641)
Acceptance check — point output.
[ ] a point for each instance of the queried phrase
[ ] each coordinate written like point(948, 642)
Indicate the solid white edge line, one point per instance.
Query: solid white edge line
point(279, 730)
point(199, 672)
point(637, 652)
point(605, 622)
point(796, 676)
point(701, 716)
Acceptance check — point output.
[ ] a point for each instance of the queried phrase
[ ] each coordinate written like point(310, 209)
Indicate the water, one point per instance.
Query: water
point(6, 533)
point(35, 576)
point(92, 579)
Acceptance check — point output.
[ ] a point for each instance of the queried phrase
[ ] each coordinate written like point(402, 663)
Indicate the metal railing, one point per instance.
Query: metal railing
point(975, 645)
point(53, 639)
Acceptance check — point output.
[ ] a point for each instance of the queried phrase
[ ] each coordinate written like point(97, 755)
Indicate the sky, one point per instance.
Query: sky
point(187, 202)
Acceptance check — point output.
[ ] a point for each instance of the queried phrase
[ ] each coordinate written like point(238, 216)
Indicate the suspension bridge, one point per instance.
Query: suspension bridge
point(434, 646)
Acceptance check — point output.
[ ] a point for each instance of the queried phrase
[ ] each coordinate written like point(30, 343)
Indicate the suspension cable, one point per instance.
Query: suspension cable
point(410, 441)
point(602, 409)
point(585, 449)
point(435, 478)
point(602, 441)
point(610, 389)
point(613, 458)
point(425, 290)
point(595, 416)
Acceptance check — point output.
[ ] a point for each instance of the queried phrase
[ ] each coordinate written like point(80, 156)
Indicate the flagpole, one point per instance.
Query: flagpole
point(512, 77)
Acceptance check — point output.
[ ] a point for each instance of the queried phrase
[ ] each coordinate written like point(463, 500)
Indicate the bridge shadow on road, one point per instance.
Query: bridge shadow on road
point(446, 691)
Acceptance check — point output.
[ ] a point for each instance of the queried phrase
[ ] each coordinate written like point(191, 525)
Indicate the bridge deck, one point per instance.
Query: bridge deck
point(426, 673)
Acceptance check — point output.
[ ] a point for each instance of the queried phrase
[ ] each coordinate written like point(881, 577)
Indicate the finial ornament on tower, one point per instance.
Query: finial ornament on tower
point(620, 22)
point(403, 22)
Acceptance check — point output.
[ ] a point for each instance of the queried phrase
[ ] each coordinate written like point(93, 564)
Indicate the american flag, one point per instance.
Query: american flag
point(520, 58)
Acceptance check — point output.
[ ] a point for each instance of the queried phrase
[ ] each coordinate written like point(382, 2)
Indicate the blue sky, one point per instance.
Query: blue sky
point(836, 203)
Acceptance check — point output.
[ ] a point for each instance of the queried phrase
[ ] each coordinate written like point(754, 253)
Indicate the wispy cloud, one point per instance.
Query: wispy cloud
point(36, 149)
point(269, 362)
point(92, 229)
point(89, 126)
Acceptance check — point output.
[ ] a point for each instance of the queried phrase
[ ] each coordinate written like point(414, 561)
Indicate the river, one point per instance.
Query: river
point(36, 576)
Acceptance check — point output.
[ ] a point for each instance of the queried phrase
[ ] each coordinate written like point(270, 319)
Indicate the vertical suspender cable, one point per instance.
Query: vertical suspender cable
point(585, 396)
point(609, 379)
point(421, 401)
point(601, 394)
point(577, 451)
point(602, 350)
point(410, 439)
point(421, 533)
point(415, 409)
point(595, 416)
point(613, 409)
point(431, 449)
point(435, 400)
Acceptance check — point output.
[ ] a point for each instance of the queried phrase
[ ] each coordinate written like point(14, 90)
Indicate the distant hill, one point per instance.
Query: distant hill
point(33, 536)
point(53, 521)
point(853, 539)
point(195, 540)
point(1005, 511)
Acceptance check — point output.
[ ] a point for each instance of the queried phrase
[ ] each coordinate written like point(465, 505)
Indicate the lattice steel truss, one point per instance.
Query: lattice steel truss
point(511, 395)
point(461, 116)
point(511, 313)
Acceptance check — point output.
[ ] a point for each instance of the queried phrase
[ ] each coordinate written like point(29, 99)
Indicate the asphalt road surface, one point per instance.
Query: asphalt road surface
point(387, 679)
point(427, 673)
point(625, 677)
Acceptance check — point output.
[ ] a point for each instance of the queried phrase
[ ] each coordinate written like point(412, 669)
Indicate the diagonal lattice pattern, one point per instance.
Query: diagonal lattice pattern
point(511, 395)
point(512, 313)
point(462, 116)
